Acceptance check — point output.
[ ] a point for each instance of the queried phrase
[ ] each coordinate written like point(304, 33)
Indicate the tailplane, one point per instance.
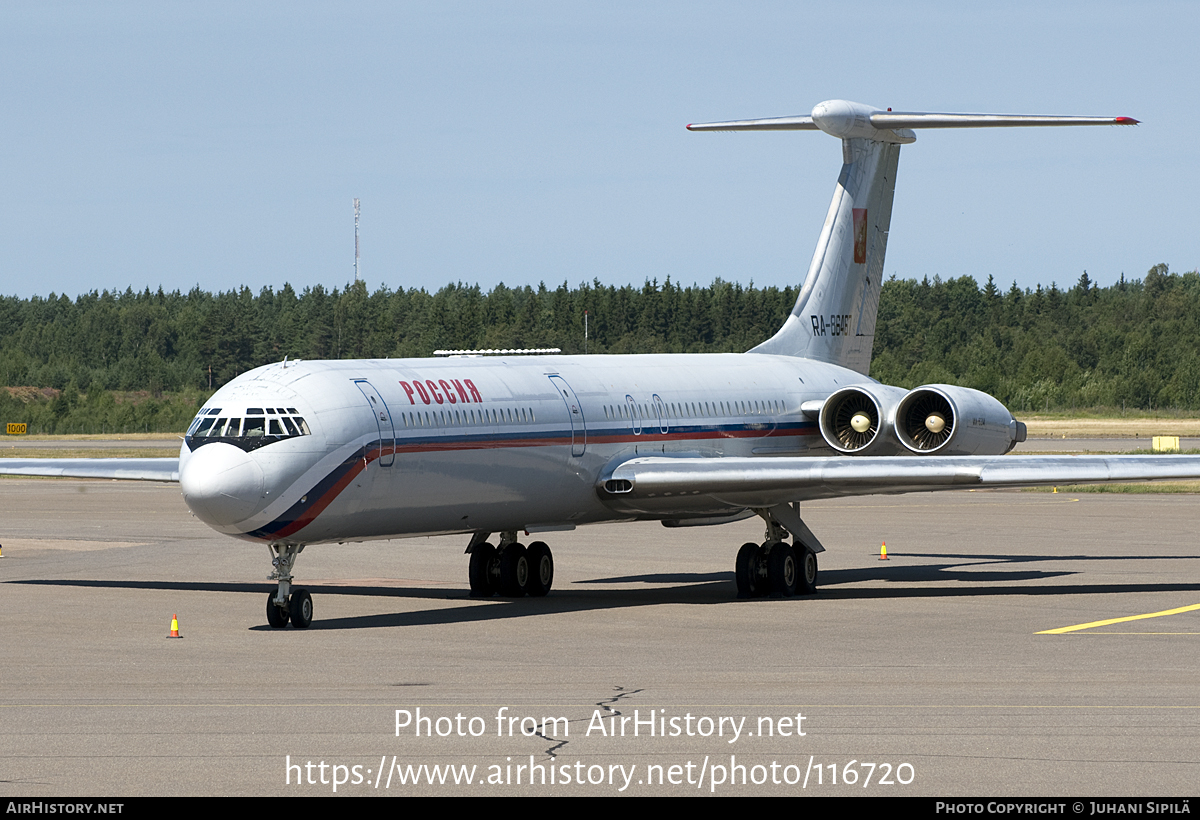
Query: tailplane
point(834, 316)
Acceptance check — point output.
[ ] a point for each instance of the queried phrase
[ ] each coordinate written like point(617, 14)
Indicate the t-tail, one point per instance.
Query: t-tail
point(834, 316)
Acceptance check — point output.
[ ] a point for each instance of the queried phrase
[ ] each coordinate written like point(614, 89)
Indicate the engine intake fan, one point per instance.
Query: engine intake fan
point(857, 420)
point(925, 420)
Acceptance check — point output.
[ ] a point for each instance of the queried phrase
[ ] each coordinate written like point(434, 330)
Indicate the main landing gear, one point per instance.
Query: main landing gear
point(775, 568)
point(286, 603)
point(511, 570)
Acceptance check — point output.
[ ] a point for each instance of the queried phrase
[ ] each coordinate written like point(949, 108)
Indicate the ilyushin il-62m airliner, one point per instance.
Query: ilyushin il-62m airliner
point(501, 447)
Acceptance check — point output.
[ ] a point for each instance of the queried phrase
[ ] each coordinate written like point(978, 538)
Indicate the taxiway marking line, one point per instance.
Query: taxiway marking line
point(1077, 627)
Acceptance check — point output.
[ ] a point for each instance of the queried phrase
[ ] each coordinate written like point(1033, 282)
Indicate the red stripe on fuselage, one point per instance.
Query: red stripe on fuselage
point(318, 506)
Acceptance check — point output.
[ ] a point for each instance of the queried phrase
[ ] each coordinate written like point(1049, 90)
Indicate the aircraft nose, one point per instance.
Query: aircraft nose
point(221, 484)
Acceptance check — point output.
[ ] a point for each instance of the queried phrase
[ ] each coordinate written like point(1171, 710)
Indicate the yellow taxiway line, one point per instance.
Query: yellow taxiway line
point(1078, 627)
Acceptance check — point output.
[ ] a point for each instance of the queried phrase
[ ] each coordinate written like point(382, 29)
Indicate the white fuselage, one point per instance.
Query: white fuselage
point(401, 447)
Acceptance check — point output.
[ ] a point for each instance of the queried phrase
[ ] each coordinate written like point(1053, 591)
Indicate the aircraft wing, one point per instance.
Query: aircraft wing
point(664, 485)
point(142, 469)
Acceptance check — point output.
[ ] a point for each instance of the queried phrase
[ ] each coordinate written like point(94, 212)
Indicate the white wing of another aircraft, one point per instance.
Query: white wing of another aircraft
point(301, 453)
point(142, 469)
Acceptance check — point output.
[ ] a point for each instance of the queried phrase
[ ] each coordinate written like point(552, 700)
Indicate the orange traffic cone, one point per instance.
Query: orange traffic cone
point(883, 552)
point(174, 627)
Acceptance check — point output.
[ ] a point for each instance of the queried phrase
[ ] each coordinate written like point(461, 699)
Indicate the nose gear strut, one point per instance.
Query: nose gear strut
point(285, 603)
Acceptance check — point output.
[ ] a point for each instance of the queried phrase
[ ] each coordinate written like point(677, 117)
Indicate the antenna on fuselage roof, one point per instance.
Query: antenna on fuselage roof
point(527, 351)
point(833, 319)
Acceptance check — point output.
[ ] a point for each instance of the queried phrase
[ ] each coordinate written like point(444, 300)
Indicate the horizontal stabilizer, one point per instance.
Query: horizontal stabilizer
point(848, 120)
point(917, 119)
point(804, 123)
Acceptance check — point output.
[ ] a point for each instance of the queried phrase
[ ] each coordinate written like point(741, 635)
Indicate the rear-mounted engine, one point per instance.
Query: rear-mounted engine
point(858, 420)
point(958, 421)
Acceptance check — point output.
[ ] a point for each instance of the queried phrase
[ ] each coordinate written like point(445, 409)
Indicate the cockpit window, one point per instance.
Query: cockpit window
point(249, 430)
point(201, 425)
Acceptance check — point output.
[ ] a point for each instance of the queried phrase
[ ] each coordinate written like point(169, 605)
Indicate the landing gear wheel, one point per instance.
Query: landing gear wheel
point(514, 571)
point(746, 571)
point(782, 570)
point(483, 557)
point(541, 569)
point(300, 607)
point(277, 616)
point(808, 572)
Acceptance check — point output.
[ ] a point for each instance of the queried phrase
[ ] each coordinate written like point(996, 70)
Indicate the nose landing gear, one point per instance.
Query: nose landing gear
point(286, 604)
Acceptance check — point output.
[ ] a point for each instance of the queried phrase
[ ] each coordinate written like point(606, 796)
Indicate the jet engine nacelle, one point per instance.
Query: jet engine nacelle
point(957, 421)
point(859, 420)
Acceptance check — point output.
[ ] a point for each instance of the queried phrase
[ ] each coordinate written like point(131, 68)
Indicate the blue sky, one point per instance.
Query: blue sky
point(220, 145)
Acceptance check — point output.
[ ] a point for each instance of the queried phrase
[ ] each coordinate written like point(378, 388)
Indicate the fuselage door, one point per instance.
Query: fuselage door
point(383, 422)
point(574, 412)
point(660, 407)
point(635, 418)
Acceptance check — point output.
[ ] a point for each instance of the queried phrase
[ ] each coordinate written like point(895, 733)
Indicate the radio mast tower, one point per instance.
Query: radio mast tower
point(356, 239)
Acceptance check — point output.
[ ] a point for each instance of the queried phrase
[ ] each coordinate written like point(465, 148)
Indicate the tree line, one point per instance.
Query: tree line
point(125, 362)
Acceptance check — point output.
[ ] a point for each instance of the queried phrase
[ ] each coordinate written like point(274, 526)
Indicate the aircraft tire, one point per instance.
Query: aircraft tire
point(807, 575)
point(745, 571)
point(479, 573)
point(782, 570)
point(514, 571)
point(277, 616)
point(300, 607)
point(541, 569)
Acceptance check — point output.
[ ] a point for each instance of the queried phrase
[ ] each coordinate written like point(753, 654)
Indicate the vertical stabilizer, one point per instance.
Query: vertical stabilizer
point(834, 317)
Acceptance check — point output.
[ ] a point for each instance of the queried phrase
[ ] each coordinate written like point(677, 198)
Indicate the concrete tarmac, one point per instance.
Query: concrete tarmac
point(926, 674)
